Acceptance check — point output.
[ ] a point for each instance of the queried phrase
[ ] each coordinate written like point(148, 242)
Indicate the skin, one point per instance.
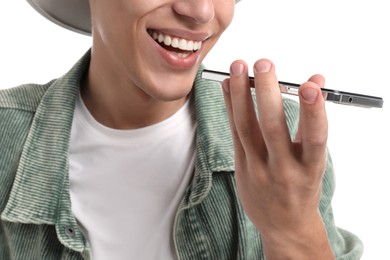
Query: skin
point(126, 86)
point(278, 180)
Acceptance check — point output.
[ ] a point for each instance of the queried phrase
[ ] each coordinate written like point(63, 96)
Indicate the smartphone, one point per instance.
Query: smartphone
point(336, 96)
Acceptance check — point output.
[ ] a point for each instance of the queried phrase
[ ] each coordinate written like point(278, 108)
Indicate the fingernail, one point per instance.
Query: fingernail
point(310, 94)
point(262, 66)
point(236, 69)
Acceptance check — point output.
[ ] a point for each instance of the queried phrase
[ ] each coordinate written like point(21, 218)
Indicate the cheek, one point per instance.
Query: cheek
point(225, 12)
point(114, 35)
point(112, 18)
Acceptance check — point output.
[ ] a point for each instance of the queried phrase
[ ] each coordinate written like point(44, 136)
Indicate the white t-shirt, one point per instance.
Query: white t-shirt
point(126, 185)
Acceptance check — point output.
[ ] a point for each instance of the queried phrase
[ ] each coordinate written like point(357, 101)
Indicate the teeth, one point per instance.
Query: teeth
point(179, 43)
point(182, 55)
point(175, 43)
point(167, 40)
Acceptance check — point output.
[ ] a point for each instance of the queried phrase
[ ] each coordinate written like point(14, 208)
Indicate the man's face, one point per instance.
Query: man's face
point(157, 45)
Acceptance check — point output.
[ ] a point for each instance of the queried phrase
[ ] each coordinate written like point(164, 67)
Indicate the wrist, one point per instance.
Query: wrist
point(308, 241)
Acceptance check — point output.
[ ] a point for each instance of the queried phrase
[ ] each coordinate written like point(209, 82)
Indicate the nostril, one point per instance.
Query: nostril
point(199, 11)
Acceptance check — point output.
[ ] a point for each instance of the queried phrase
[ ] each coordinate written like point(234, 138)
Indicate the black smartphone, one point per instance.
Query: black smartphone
point(336, 96)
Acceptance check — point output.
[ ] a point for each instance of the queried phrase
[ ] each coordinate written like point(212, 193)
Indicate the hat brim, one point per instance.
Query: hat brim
point(71, 14)
point(74, 15)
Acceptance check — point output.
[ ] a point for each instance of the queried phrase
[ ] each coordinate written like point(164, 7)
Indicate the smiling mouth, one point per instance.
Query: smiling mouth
point(180, 46)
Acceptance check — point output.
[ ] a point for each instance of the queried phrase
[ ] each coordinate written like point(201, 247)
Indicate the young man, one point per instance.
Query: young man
point(131, 155)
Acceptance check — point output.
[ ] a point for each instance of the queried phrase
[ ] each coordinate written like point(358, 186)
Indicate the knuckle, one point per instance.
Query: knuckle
point(317, 141)
point(244, 132)
point(274, 128)
point(247, 129)
point(235, 134)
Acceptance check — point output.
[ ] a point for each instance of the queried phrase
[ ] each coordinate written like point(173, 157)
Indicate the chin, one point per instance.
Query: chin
point(171, 88)
point(174, 95)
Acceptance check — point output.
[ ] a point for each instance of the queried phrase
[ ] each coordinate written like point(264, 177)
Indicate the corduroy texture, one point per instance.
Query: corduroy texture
point(36, 219)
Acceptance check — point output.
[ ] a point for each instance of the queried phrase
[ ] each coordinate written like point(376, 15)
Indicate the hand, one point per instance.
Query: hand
point(278, 179)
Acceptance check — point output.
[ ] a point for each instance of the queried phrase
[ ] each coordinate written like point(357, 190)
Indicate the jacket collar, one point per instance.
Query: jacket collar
point(40, 194)
point(41, 189)
point(214, 134)
point(214, 146)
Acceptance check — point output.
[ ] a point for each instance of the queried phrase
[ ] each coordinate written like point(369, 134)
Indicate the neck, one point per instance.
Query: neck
point(116, 102)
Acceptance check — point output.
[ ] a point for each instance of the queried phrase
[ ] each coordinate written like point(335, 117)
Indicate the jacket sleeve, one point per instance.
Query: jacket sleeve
point(345, 245)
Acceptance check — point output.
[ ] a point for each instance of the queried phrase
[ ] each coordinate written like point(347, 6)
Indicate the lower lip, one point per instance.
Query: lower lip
point(175, 61)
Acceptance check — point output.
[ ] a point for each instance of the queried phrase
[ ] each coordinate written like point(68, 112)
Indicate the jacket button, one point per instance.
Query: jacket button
point(69, 231)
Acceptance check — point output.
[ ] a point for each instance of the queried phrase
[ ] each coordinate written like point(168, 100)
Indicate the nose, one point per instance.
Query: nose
point(200, 11)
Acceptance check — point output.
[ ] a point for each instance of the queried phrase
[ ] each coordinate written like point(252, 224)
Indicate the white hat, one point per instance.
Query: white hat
point(71, 14)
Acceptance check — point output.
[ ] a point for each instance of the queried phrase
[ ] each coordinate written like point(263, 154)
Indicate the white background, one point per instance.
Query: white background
point(345, 40)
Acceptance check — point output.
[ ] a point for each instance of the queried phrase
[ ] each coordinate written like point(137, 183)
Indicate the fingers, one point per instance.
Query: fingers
point(272, 119)
point(267, 135)
point(313, 125)
point(320, 81)
point(239, 102)
point(239, 150)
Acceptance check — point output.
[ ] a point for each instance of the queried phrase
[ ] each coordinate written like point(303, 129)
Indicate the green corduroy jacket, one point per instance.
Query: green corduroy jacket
point(36, 217)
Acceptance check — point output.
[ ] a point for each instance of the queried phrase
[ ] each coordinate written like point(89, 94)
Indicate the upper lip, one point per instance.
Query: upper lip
point(183, 34)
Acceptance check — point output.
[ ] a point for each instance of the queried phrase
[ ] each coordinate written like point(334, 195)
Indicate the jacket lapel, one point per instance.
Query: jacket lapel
point(43, 169)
